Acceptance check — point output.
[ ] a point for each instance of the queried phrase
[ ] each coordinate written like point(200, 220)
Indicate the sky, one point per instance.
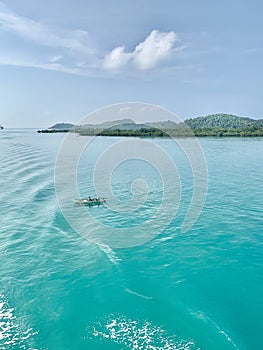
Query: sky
point(61, 60)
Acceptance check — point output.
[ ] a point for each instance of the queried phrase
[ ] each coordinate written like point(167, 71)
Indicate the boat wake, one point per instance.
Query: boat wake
point(112, 256)
point(12, 335)
point(138, 294)
point(136, 334)
point(216, 327)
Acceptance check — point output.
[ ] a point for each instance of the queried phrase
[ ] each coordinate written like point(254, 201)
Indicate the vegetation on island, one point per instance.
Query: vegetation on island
point(183, 132)
point(218, 125)
point(62, 126)
point(223, 121)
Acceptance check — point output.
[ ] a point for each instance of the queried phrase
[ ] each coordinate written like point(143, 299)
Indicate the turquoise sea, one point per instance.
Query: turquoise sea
point(201, 289)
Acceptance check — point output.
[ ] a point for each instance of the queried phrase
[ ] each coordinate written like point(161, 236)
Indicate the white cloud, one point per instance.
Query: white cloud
point(117, 58)
point(55, 59)
point(154, 50)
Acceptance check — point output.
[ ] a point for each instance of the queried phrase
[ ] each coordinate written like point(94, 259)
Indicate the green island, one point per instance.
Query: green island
point(216, 125)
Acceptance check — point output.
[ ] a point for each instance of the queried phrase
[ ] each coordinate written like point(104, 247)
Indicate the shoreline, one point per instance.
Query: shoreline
point(156, 133)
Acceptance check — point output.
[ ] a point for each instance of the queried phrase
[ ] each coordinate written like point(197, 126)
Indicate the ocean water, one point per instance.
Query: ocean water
point(201, 289)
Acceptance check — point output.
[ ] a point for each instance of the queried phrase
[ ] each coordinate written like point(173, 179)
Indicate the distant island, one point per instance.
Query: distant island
point(220, 125)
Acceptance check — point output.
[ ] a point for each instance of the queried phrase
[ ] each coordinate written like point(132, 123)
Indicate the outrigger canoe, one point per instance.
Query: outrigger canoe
point(90, 201)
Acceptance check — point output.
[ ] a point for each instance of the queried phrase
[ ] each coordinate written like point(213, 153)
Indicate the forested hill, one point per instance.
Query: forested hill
point(218, 121)
point(62, 126)
point(223, 121)
point(211, 125)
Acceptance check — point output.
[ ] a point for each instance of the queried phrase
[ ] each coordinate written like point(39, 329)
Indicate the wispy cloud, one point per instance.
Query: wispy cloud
point(30, 62)
point(71, 51)
point(41, 34)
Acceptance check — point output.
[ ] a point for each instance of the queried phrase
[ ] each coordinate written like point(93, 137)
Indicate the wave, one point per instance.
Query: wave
point(201, 315)
point(137, 334)
point(111, 254)
point(12, 334)
point(138, 294)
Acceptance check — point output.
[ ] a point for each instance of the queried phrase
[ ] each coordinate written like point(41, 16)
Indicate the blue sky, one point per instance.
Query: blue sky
point(60, 60)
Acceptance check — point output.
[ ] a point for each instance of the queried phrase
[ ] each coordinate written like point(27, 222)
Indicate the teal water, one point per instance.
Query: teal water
point(198, 290)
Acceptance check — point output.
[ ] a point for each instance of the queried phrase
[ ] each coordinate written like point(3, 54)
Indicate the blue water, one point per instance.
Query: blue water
point(196, 290)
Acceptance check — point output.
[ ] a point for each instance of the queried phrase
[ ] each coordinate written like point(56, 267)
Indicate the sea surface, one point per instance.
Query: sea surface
point(201, 289)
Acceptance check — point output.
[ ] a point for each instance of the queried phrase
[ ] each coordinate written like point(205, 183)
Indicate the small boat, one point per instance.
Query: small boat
point(90, 202)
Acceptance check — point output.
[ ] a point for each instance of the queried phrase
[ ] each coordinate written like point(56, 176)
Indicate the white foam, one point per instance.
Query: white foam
point(110, 254)
point(11, 334)
point(137, 334)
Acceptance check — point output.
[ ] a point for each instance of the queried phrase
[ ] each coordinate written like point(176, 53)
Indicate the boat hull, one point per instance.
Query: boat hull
point(89, 203)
